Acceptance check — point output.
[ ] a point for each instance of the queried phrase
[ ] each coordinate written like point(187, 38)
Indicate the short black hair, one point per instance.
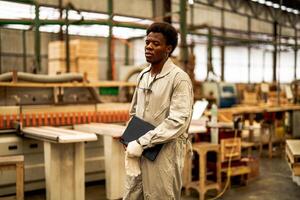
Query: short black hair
point(169, 32)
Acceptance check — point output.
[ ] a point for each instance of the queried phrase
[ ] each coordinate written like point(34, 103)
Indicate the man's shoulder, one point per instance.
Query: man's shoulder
point(180, 74)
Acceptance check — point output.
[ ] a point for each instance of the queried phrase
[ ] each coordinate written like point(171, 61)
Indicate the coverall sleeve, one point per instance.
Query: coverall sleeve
point(178, 120)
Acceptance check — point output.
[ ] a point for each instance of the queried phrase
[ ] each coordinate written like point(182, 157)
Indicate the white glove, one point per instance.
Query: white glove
point(132, 165)
point(134, 149)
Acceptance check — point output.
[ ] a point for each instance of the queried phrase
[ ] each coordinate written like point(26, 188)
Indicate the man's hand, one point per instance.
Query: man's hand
point(134, 149)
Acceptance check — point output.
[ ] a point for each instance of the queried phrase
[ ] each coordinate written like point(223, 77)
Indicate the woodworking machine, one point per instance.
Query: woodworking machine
point(28, 104)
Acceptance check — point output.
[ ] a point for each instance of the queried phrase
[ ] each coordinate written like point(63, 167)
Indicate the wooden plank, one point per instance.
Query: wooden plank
point(59, 135)
point(79, 166)
point(58, 66)
point(8, 198)
point(5, 110)
point(20, 181)
point(112, 130)
point(85, 48)
point(38, 109)
point(294, 146)
point(73, 84)
point(296, 169)
point(7, 160)
point(290, 156)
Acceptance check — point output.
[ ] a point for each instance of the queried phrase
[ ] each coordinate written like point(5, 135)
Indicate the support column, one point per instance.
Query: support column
point(162, 10)
point(115, 179)
point(127, 52)
point(37, 41)
point(167, 11)
point(275, 24)
point(183, 34)
point(249, 49)
point(0, 52)
point(64, 171)
point(295, 54)
point(109, 41)
point(24, 51)
point(210, 68)
point(223, 41)
point(67, 41)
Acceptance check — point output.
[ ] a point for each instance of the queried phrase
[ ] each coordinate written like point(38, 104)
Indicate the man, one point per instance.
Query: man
point(164, 98)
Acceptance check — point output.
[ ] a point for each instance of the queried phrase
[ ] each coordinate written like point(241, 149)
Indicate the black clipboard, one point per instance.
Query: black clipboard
point(134, 130)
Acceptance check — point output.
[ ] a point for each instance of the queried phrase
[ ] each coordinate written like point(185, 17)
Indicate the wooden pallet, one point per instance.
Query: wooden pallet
point(293, 155)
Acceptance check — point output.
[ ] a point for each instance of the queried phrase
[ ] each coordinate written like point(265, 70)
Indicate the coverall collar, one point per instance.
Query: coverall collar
point(168, 66)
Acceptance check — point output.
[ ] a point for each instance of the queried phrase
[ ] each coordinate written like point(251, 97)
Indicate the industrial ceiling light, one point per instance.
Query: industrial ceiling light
point(92, 15)
point(296, 11)
point(18, 26)
point(283, 7)
point(191, 2)
point(261, 1)
point(269, 3)
point(289, 9)
point(131, 19)
point(275, 5)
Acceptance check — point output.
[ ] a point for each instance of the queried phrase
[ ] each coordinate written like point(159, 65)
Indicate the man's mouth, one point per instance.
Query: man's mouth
point(148, 54)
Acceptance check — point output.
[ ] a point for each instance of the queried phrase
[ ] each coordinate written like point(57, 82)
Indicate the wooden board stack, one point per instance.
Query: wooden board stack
point(293, 157)
point(83, 58)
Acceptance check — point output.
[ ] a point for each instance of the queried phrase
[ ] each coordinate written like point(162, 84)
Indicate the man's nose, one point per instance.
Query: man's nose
point(149, 46)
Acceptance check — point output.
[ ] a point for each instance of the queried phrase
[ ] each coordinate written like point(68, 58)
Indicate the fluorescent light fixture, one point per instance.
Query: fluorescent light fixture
point(49, 13)
point(124, 33)
point(132, 19)
point(18, 26)
point(50, 28)
point(275, 5)
point(191, 2)
point(296, 11)
point(283, 7)
point(92, 30)
point(74, 15)
point(11, 10)
point(92, 15)
point(261, 1)
point(254, 0)
point(289, 9)
point(269, 3)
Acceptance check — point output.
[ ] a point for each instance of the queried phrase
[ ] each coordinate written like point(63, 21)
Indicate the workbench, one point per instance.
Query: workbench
point(250, 112)
point(64, 160)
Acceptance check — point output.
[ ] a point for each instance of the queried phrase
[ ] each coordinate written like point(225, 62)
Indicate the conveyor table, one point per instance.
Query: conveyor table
point(114, 156)
point(64, 161)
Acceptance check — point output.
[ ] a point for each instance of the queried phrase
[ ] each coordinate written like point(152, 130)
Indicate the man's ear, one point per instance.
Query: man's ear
point(169, 49)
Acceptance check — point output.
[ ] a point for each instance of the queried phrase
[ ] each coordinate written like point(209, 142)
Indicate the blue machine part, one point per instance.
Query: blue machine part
point(228, 95)
point(225, 93)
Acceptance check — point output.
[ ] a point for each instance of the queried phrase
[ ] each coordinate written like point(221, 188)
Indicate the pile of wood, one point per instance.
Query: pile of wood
point(83, 58)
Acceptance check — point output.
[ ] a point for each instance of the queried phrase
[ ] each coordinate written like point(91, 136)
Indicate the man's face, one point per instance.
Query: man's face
point(156, 49)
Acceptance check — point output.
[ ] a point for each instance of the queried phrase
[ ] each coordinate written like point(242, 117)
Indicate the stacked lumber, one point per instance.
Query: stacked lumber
point(83, 58)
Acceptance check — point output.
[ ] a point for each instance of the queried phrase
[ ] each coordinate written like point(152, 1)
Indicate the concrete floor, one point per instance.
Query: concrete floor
point(274, 183)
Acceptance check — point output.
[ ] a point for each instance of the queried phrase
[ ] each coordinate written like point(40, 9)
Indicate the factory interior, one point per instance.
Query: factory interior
point(68, 73)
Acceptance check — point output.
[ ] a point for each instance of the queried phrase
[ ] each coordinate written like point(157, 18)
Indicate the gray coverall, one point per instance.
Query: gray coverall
point(167, 104)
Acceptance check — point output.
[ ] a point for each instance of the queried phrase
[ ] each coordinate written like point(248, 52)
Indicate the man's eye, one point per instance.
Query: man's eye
point(156, 43)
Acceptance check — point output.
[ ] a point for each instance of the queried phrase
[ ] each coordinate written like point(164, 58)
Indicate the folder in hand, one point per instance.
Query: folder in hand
point(134, 130)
